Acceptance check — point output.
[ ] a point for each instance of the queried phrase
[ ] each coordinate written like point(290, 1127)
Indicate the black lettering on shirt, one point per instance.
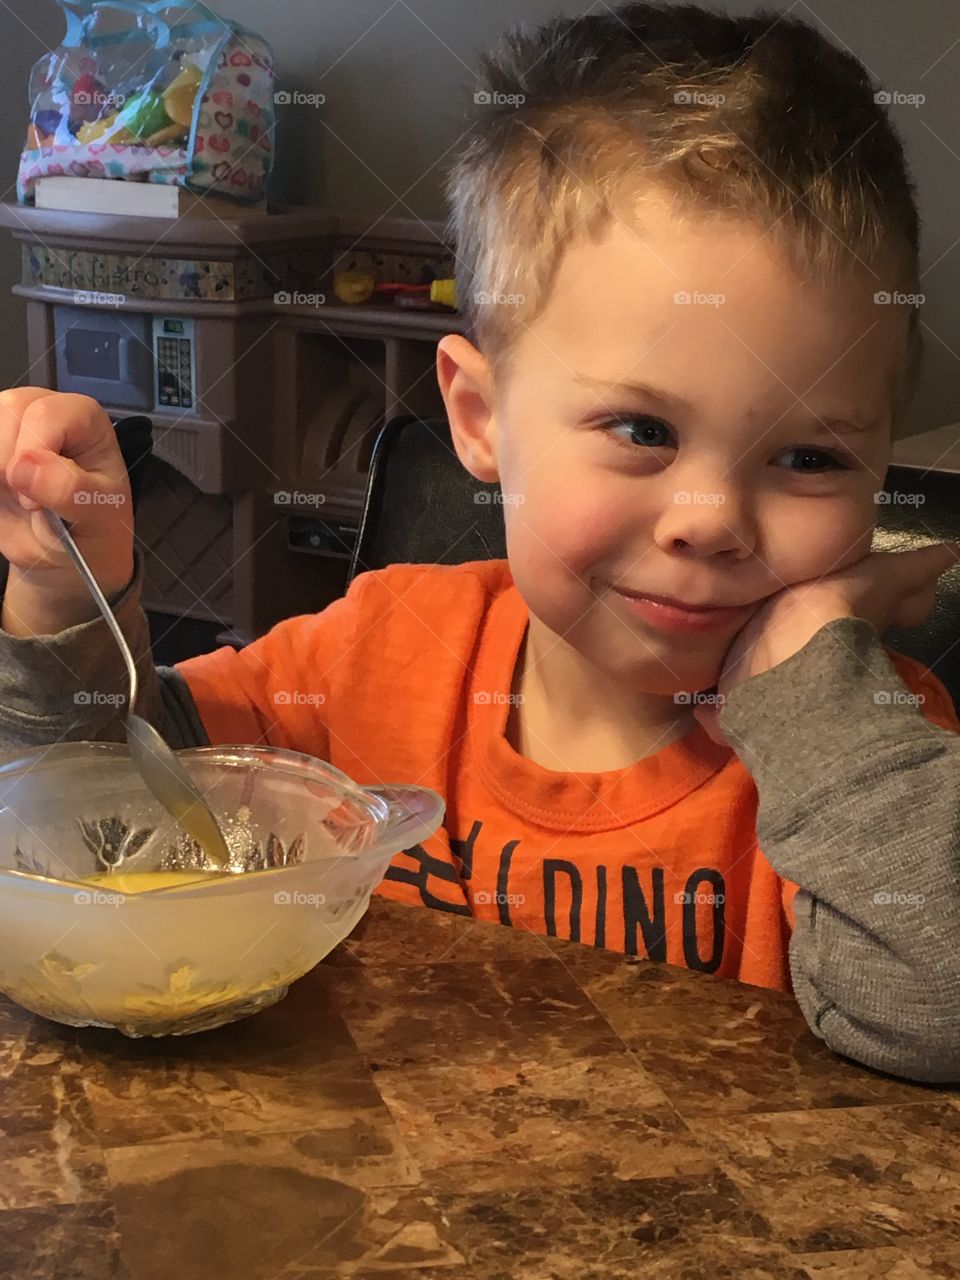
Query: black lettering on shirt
point(600, 923)
point(642, 909)
point(429, 865)
point(691, 951)
point(635, 911)
point(503, 875)
point(551, 866)
point(463, 850)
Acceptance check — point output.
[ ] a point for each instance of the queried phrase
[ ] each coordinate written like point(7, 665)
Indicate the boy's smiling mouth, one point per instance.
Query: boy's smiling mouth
point(706, 606)
point(669, 614)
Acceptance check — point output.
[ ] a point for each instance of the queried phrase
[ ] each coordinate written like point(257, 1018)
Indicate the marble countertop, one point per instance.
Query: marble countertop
point(448, 1100)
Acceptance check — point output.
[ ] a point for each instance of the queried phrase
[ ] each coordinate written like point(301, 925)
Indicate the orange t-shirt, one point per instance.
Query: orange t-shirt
point(406, 679)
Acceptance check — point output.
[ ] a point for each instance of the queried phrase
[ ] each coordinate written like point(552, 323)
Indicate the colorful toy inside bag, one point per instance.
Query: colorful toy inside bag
point(131, 93)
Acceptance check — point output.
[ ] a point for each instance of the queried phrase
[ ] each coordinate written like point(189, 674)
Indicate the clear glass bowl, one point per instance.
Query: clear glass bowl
point(307, 848)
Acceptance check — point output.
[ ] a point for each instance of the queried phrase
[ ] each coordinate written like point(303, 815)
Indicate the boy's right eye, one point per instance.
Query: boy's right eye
point(643, 430)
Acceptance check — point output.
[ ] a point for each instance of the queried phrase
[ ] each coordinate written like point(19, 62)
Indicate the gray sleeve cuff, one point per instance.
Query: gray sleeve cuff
point(73, 686)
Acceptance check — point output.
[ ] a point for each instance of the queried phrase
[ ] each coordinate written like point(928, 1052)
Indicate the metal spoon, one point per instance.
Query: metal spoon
point(158, 766)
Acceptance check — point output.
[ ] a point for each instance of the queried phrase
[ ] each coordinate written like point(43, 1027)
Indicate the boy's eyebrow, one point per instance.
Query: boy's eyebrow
point(850, 425)
point(634, 388)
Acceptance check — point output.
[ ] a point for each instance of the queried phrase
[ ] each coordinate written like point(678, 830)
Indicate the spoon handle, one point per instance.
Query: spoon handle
point(66, 537)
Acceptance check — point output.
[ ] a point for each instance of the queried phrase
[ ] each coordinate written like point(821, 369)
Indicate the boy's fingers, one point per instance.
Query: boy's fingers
point(918, 584)
point(72, 425)
point(948, 553)
point(13, 404)
point(708, 716)
point(921, 566)
point(44, 479)
point(942, 556)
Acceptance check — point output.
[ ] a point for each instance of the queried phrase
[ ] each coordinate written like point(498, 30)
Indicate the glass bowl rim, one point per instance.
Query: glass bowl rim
point(294, 763)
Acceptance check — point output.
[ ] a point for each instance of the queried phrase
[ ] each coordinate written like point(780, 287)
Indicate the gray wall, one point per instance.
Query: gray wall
point(392, 72)
point(27, 29)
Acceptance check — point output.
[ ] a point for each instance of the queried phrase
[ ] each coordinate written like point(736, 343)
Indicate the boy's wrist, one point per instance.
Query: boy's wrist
point(47, 605)
point(794, 633)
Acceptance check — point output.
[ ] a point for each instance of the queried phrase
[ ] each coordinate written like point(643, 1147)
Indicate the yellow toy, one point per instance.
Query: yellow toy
point(180, 95)
point(104, 127)
point(444, 291)
point(353, 286)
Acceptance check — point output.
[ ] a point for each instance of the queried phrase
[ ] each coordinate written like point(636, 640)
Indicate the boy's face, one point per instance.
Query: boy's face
point(717, 484)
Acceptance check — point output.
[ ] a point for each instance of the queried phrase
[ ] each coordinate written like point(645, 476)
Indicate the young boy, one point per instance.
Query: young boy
point(674, 231)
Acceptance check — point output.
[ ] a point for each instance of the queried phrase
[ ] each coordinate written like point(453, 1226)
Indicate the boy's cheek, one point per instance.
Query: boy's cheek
point(810, 548)
point(565, 527)
point(819, 538)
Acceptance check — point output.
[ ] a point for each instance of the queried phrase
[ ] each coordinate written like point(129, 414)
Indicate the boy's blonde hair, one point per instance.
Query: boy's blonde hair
point(761, 118)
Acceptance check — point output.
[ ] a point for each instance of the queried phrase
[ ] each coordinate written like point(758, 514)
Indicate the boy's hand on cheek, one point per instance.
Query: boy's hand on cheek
point(889, 589)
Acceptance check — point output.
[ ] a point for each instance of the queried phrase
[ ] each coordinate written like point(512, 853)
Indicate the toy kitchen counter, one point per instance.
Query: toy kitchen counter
point(453, 1100)
point(266, 371)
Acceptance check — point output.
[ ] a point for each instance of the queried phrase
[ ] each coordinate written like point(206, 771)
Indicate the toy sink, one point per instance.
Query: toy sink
point(307, 846)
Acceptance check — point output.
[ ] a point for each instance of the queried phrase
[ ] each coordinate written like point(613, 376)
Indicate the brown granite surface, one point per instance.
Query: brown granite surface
point(449, 1100)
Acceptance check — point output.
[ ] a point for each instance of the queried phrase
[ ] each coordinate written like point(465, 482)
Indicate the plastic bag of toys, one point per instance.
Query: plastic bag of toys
point(134, 92)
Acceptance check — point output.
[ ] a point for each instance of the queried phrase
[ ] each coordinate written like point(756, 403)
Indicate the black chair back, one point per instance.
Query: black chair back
point(422, 505)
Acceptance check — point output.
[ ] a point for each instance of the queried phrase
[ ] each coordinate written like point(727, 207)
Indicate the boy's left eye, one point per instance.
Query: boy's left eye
point(643, 430)
point(807, 453)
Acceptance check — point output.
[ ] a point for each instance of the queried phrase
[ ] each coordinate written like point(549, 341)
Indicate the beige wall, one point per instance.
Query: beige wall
point(392, 71)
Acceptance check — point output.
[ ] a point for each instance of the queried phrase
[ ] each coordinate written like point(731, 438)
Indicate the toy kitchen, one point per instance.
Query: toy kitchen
point(267, 356)
point(267, 344)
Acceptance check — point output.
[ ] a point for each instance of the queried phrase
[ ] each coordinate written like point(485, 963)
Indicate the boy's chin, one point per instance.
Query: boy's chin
point(671, 678)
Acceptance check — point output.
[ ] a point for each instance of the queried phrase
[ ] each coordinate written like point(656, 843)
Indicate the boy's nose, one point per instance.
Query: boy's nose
point(706, 522)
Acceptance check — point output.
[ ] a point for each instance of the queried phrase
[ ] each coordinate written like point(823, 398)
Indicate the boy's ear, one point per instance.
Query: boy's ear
point(466, 383)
